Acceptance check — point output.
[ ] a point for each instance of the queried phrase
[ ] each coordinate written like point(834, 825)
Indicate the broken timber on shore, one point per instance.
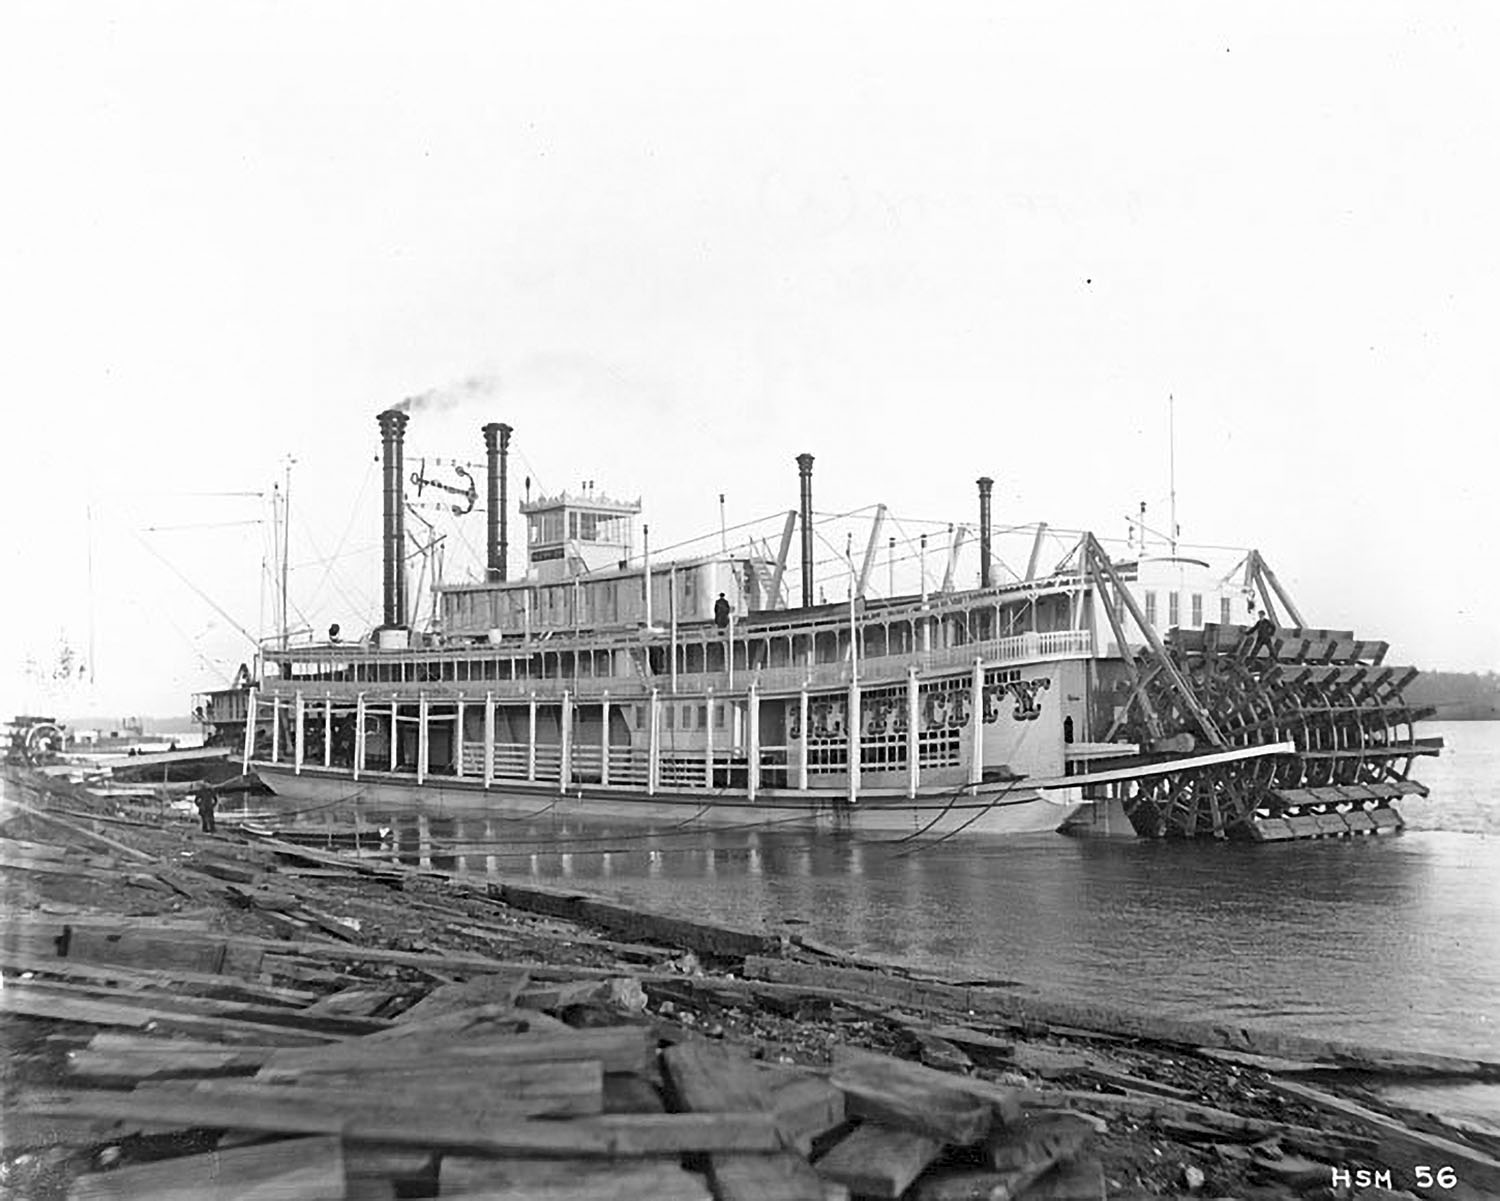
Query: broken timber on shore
point(1010, 1006)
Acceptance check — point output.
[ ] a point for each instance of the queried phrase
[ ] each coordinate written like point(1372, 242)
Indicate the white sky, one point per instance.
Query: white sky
point(692, 240)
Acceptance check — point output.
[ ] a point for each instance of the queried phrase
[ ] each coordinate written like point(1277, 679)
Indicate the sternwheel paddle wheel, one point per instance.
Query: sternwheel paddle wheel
point(1323, 691)
point(1327, 698)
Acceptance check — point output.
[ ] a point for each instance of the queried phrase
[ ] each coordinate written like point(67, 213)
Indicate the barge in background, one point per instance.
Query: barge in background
point(1153, 694)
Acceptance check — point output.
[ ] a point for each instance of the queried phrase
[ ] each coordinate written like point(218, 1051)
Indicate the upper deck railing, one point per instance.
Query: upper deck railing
point(334, 671)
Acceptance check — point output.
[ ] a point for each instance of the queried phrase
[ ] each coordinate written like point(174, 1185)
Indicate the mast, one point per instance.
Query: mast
point(286, 541)
point(1172, 467)
point(89, 545)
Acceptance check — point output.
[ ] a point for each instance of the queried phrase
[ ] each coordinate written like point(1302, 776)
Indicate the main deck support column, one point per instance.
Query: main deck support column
point(531, 739)
point(565, 764)
point(458, 739)
point(299, 734)
point(422, 743)
point(653, 744)
point(395, 715)
point(604, 740)
point(802, 726)
point(708, 742)
point(976, 722)
point(913, 733)
point(327, 730)
point(489, 739)
point(276, 729)
point(359, 734)
point(853, 741)
point(752, 722)
point(250, 707)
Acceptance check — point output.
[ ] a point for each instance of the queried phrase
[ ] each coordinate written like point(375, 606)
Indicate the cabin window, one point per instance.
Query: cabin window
point(703, 717)
point(670, 712)
point(1197, 608)
point(1224, 614)
point(1174, 609)
point(1150, 608)
point(719, 717)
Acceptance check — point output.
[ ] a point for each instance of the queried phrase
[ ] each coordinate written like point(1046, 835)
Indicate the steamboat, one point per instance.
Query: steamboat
point(1153, 695)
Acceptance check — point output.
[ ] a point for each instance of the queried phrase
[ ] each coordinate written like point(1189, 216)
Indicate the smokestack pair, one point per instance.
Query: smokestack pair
point(392, 424)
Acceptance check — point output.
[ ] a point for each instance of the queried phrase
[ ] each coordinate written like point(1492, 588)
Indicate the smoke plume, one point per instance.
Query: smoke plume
point(447, 396)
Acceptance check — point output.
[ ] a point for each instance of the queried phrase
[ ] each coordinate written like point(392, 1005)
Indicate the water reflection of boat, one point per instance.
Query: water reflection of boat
point(1151, 691)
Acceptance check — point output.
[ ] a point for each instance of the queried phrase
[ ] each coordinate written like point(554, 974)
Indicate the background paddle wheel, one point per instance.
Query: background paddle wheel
point(1321, 690)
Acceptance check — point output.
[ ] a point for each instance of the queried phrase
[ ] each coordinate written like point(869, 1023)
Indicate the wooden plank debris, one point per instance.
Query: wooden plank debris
point(136, 1057)
point(554, 1180)
point(1030, 1148)
point(1403, 1148)
point(1081, 1179)
point(806, 1106)
point(909, 1096)
point(879, 1161)
point(525, 1090)
point(616, 1048)
point(308, 1169)
point(710, 1079)
point(31, 1001)
point(419, 1123)
point(492, 988)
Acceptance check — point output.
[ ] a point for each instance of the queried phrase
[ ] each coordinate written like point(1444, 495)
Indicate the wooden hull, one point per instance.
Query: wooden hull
point(995, 812)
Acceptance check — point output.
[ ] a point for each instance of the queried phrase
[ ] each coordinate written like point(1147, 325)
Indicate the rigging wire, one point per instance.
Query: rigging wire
point(354, 513)
point(200, 525)
point(217, 608)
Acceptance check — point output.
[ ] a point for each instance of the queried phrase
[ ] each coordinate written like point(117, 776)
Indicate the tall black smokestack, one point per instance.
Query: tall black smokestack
point(496, 446)
point(392, 431)
point(985, 484)
point(804, 469)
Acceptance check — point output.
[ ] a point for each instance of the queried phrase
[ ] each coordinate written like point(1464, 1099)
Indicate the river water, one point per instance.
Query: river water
point(1392, 941)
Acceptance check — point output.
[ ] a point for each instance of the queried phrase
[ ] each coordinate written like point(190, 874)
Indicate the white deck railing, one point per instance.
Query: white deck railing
point(877, 669)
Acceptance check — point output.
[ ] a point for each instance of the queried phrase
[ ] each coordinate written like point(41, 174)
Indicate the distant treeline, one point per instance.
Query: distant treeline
point(1458, 695)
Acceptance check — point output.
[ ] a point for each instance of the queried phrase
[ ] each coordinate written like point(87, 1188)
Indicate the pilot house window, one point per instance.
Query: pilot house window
point(1174, 609)
point(1151, 608)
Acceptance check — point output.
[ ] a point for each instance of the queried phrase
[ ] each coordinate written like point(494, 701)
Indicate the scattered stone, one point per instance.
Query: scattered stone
point(940, 1053)
point(627, 993)
point(1193, 1177)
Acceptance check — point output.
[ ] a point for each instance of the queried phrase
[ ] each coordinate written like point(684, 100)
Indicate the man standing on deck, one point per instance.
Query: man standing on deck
point(721, 612)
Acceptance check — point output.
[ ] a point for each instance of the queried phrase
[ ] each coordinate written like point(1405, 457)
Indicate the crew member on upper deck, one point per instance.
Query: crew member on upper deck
point(721, 612)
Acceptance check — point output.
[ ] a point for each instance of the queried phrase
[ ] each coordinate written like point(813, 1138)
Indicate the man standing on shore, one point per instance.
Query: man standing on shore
point(207, 801)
